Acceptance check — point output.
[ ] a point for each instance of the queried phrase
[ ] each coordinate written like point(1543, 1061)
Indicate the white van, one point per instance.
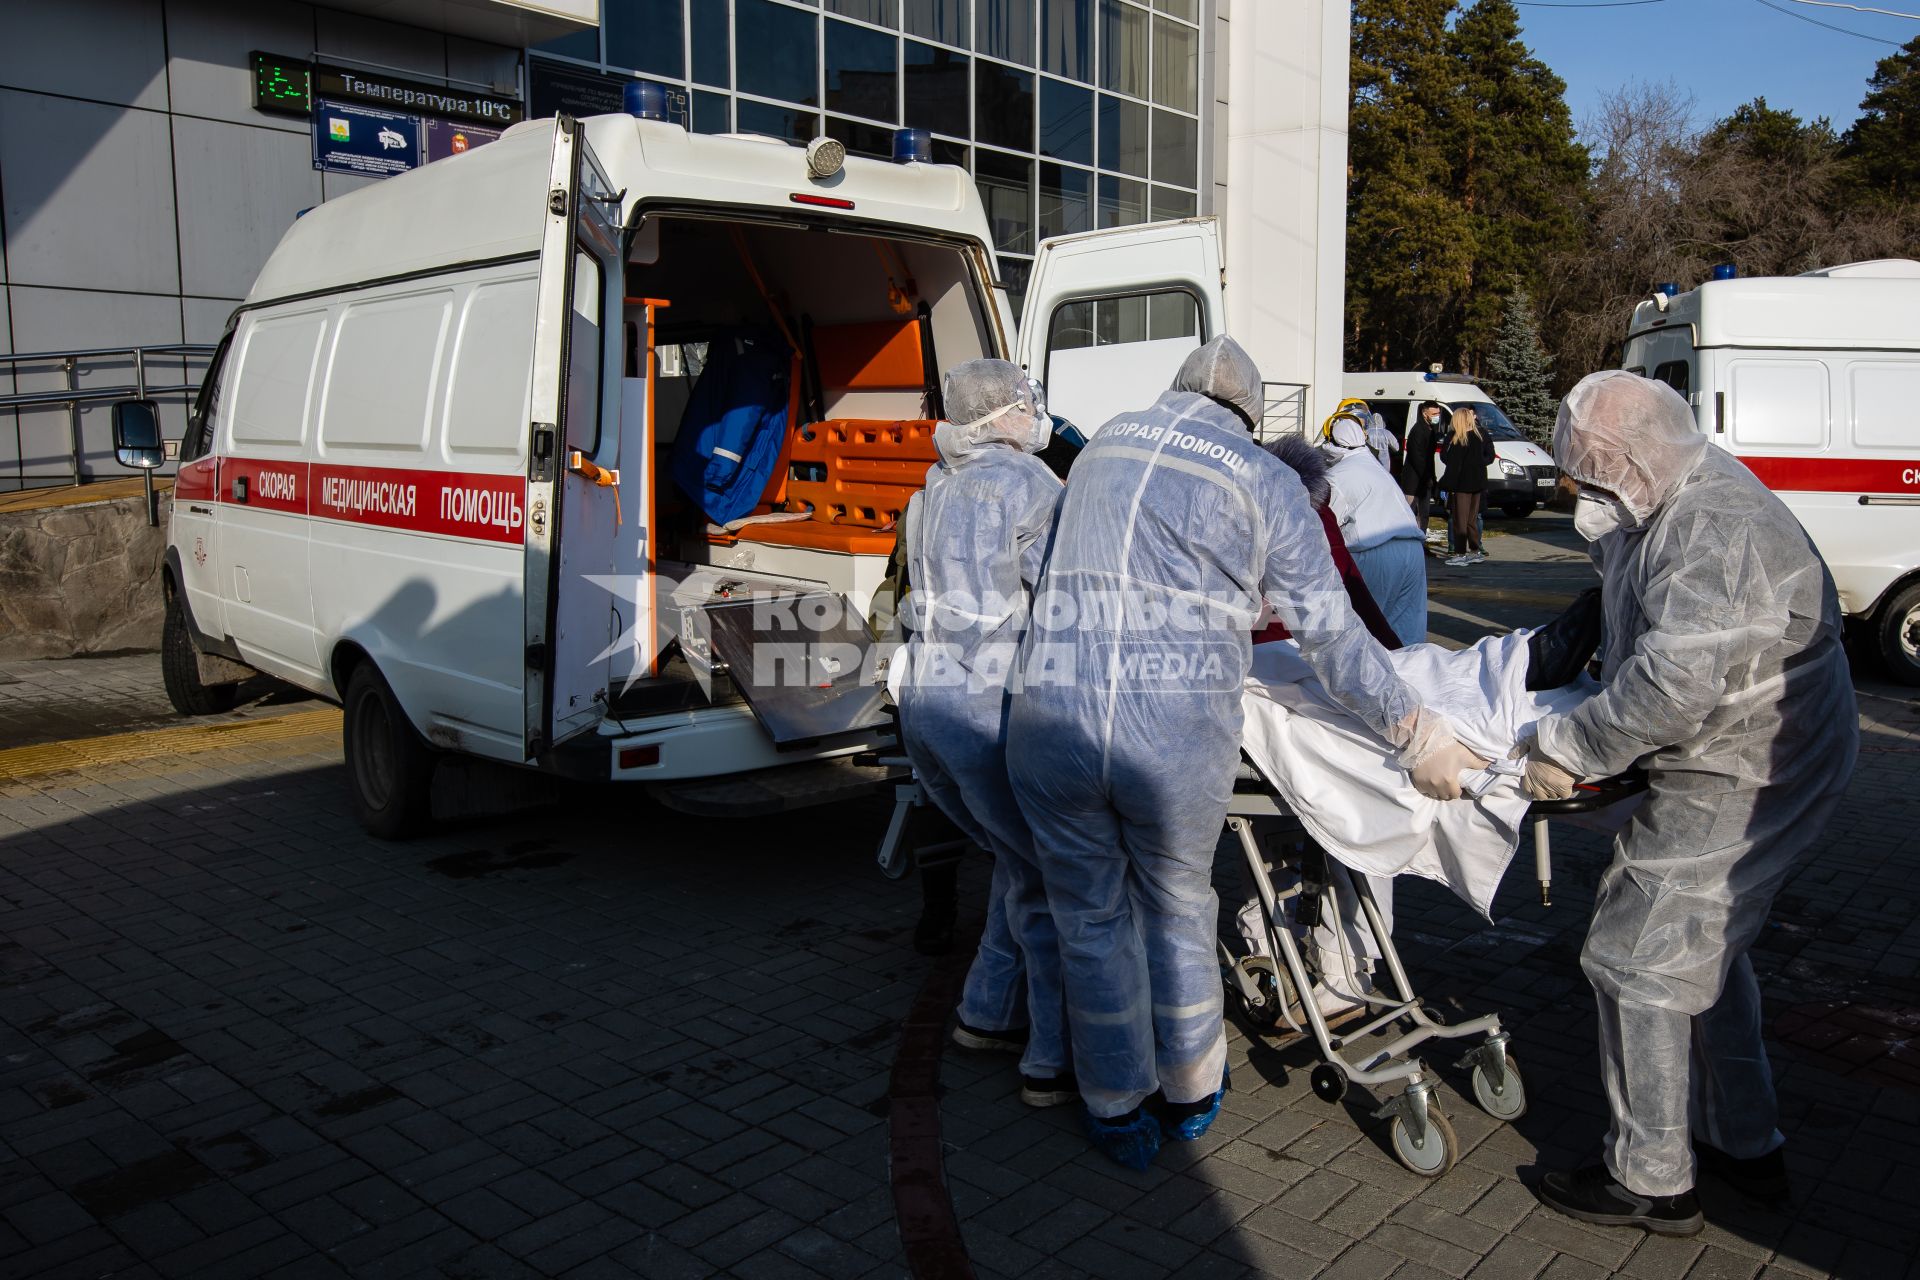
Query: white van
point(427, 474)
point(1521, 476)
point(1814, 382)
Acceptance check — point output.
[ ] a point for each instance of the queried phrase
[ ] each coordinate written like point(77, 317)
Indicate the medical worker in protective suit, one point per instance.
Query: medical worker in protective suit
point(1123, 738)
point(1724, 676)
point(975, 539)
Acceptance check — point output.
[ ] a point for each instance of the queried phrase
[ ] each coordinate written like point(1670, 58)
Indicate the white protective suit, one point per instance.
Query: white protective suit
point(976, 537)
point(1724, 675)
point(1123, 739)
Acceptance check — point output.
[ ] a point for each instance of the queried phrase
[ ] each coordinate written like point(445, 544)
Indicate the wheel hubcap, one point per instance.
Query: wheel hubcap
point(1910, 634)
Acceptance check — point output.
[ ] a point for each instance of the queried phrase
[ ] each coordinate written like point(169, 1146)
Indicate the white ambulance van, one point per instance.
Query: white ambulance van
point(1521, 476)
point(1813, 381)
point(427, 476)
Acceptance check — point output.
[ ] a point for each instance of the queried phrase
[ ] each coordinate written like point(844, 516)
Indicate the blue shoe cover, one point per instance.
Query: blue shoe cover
point(1132, 1145)
point(1195, 1126)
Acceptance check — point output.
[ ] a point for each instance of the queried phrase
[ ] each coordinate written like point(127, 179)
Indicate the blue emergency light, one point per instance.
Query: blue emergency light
point(911, 145)
point(1724, 271)
point(1667, 287)
point(644, 101)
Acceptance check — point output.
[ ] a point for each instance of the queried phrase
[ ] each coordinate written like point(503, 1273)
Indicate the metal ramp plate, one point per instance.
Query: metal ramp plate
point(802, 662)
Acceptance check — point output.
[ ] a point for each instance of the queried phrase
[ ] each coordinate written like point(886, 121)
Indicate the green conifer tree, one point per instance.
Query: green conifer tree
point(1885, 141)
point(1519, 375)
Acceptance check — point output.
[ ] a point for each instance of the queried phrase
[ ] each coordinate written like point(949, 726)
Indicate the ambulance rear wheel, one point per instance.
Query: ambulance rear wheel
point(180, 670)
point(1899, 631)
point(389, 769)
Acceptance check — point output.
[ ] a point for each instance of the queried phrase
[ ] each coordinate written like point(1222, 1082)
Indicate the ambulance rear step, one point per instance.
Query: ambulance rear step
point(765, 792)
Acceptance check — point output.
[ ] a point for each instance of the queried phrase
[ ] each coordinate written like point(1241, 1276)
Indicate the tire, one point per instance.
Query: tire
point(1897, 630)
point(1509, 1102)
point(180, 669)
point(1434, 1154)
point(1517, 513)
point(389, 769)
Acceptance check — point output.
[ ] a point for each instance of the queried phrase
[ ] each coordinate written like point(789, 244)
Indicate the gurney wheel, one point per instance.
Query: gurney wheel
point(1435, 1154)
point(1509, 1103)
point(1329, 1082)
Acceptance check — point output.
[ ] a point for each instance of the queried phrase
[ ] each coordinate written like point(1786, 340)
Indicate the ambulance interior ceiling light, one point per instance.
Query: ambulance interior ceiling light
point(644, 100)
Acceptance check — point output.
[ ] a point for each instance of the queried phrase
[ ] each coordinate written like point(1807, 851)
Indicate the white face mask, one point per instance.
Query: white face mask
point(1596, 515)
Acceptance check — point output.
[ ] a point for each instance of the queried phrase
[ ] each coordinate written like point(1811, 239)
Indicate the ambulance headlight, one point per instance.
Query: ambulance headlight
point(824, 157)
point(1511, 468)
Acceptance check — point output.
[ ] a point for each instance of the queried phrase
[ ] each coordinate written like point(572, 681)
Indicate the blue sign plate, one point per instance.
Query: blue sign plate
point(364, 140)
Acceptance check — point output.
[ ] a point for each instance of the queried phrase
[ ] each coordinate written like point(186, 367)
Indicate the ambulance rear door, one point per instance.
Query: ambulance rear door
point(1109, 315)
point(573, 505)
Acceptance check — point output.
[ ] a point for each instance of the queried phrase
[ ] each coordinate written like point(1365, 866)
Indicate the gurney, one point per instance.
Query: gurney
point(1279, 997)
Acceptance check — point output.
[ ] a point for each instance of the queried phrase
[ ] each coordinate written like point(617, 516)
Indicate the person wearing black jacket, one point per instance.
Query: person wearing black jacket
point(1467, 454)
point(1416, 468)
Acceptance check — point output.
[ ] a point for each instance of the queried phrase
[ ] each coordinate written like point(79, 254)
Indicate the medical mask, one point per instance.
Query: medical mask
point(1597, 515)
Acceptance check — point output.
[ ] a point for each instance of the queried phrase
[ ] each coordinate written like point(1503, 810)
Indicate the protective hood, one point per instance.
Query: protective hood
point(1631, 436)
point(1222, 370)
point(990, 402)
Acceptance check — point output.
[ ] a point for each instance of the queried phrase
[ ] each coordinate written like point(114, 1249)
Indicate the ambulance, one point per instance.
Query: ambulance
point(1813, 381)
point(436, 471)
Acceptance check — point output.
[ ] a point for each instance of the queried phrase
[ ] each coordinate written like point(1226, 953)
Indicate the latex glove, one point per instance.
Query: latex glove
point(1544, 780)
point(1437, 776)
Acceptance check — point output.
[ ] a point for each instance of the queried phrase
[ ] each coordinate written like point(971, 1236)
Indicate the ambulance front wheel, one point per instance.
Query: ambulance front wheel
point(180, 669)
point(1899, 632)
point(389, 769)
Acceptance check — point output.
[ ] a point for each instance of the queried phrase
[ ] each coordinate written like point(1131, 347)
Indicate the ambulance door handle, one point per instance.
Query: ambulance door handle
point(239, 488)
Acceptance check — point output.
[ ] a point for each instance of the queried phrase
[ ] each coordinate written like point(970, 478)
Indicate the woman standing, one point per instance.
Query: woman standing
point(1468, 453)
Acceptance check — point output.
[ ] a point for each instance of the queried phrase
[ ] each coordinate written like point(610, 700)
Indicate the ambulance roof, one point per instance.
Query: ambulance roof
point(491, 202)
point(1448, 388)
point(1858, 306)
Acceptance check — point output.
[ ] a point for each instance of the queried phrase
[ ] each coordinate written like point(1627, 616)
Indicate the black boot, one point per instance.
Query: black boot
point(1592, 1195)
point(1762, 1178)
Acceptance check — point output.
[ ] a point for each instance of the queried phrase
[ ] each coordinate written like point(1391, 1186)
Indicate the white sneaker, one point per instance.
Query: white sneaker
point(1460, 561)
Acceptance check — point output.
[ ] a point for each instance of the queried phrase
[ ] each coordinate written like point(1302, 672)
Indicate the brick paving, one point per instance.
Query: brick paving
point(238, 1038)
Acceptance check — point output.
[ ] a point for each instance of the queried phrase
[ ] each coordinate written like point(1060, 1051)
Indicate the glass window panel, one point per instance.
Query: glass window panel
point(954, 153)
point(1176, 65)
point(871, 140)
point(1006, 188)
point(1122, 202)
point(1176, 148)
point(1172, 315)
point(645, 35)
point(1066, 122)
point(776, 54)
point(1188, 9)
point(1004, 29)
point(711, 112)
point(1119, 320)
point(1003, 109)
point(860, 75)
point(878, 12)
point(1123, 136)
point(1168, 203)
point(936, 89)
point(1066, 38)
point(943, 20)
point(1123, 48)
point(1014, 274)
point(792, 123)
point(1066, 200)
point(710, 61)
point(584, 45)
point(1072, 327)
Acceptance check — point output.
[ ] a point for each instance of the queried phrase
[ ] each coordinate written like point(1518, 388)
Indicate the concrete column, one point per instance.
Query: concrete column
point(1285, 121)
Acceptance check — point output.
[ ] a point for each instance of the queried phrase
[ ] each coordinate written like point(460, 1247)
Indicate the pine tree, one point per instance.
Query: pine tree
point(1885, 141)
point(1519, 375)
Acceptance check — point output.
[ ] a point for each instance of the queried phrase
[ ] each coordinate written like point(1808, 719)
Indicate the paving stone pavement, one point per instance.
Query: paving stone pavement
point(239, 1038)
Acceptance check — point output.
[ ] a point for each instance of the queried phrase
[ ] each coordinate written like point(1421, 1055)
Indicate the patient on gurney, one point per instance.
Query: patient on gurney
point(1347, 790)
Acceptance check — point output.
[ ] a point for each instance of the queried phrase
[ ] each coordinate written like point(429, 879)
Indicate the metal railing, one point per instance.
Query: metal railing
point(76, 397)
point(1284, 411)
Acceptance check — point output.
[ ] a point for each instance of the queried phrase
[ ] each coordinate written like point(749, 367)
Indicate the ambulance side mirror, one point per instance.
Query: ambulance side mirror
point(136, 435)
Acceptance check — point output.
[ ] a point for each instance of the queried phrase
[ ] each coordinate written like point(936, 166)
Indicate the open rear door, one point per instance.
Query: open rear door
point(574, 513)
point(1110, 315)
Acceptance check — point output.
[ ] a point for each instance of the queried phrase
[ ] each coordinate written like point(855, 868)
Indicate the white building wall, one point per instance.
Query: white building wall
point(1282, 113)
point(140, 191)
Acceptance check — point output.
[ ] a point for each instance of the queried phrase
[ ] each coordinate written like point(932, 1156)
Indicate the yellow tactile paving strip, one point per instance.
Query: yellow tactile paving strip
point(71, 495)
point(19, 763)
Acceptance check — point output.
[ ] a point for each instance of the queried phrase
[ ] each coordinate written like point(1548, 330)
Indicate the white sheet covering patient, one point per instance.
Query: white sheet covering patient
point(1354, 799)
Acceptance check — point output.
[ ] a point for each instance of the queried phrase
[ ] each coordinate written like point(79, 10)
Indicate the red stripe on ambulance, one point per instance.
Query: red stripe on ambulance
point(491, 508)
point(1837, 475)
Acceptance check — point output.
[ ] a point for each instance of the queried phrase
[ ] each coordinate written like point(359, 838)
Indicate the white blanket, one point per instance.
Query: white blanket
point(1359, 804)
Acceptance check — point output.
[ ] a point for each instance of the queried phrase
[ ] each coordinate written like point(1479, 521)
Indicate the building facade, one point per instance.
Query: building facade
point(152, 152)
